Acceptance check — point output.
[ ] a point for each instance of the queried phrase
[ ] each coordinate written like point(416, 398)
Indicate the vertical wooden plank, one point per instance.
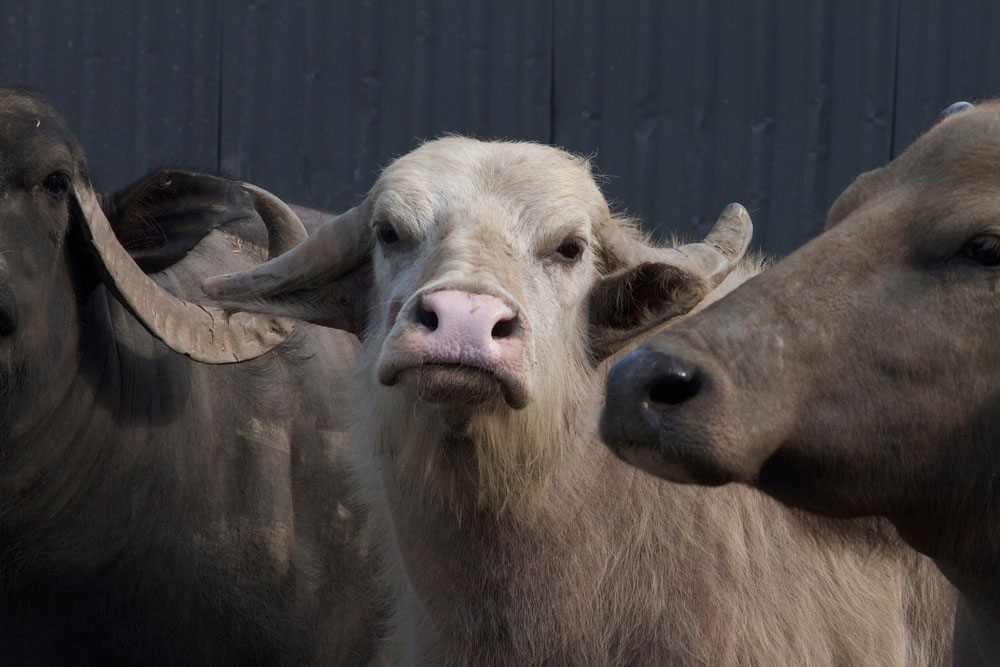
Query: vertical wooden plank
point(690, 105)
point(948, 52)
point(318, 96)
point(138, 82)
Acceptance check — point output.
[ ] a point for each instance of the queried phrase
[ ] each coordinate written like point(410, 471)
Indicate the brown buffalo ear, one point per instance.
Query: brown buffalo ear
point(864, 187)
point(326, 279)
point(653, 285)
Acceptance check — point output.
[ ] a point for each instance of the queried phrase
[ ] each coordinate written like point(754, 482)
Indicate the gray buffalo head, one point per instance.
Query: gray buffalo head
point(56, 245)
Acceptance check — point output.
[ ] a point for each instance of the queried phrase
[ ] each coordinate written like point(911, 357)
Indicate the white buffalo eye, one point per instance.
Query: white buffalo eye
point(569, 251)
point(983, 250)
point(385, 233)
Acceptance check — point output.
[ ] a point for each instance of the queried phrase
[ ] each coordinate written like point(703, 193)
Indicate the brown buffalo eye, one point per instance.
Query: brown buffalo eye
point(570, 250)
point(56, 184)
point(984, 250)
point(385, 233)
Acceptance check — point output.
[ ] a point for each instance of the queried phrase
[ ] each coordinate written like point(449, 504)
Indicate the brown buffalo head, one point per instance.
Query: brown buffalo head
point(487, 280)
point(861, 374)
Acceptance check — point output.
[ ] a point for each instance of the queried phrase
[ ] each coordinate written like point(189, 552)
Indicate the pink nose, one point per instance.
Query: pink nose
point(456, 327)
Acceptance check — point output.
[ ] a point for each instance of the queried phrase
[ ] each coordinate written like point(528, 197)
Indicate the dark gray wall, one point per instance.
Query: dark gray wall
point(685, 105)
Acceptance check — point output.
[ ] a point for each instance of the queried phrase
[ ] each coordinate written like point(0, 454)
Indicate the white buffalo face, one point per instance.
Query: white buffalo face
point(483, 258)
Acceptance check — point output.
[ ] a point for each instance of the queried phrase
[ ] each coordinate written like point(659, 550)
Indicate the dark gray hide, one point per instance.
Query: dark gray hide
point(154, 510)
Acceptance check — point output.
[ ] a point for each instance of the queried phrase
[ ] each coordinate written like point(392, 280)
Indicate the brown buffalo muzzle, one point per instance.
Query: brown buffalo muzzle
point(670, 410)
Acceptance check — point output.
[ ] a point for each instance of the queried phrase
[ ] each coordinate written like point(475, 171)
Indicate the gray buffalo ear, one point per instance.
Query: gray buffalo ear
point(161, 217)
point(326, 279)
point(651, 285)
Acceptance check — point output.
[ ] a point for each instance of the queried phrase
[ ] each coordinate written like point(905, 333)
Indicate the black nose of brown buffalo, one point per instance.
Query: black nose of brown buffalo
point(672, 382)
point(641, 388)
point(661, 413)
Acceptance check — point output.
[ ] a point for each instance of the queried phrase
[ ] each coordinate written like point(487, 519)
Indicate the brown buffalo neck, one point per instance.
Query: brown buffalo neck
point(955, 521)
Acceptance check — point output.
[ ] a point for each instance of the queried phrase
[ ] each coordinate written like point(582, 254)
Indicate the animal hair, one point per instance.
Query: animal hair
point(521, 540)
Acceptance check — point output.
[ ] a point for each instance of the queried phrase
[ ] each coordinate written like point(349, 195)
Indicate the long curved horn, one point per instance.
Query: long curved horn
point(337, 247)
point(711, 260)
point(284, 229)
point(202, 333)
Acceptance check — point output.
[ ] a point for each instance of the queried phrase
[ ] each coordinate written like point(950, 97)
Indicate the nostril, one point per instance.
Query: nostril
point(503, 328)
point(426, 317)
point(673, 387)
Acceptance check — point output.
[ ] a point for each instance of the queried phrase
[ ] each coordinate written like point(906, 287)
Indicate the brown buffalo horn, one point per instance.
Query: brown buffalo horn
point(336, 248)
point(284, 229)
point(203, 333)
point(711, 260)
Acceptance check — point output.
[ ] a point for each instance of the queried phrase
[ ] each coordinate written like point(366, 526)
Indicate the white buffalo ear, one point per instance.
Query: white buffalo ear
point(653, 285)
point(635, 300)
point(326, 279)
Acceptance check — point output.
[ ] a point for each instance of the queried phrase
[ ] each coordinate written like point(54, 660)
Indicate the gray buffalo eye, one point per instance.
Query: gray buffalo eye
point(983, 250)
point(56, 184)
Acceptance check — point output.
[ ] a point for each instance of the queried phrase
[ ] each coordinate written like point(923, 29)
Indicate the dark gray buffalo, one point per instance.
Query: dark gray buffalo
point(861, 375)
point(155, 510)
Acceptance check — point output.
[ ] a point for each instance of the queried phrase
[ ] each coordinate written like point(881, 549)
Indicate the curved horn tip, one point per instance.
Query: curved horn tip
point(953, 109)
point(236, 284)
point(732, 232)
point(285, 229)
point(216, 285)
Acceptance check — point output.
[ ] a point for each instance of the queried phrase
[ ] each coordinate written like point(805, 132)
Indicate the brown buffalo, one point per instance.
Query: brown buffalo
point(859, 376)
point(496, 285)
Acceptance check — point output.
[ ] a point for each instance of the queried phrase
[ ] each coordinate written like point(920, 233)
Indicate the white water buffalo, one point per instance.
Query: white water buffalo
point(156, 510)
point(860, 375)
point(498, 286)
